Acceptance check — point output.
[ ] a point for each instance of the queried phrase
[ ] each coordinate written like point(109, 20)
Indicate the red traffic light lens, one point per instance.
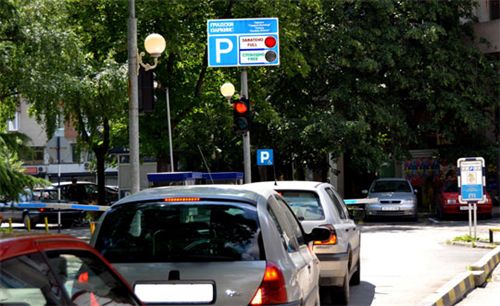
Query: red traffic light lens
point(240, 107)
point(270, 41)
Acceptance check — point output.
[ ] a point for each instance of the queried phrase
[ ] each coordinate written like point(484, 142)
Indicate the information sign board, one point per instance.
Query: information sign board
point(243, 42)
point(471, 180)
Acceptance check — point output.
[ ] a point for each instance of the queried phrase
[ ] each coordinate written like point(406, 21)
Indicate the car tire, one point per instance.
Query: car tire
point(356, 277)
point(27, 219)
point(341, 295)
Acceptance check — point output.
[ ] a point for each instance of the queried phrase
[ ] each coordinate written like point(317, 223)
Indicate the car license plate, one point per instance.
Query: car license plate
point(175, 292)
point(390, 208)
point(464, 207)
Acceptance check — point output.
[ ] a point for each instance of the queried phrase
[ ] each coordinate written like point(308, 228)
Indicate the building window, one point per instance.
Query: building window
point(494, 9)
point(13, 125)
point(33, 156)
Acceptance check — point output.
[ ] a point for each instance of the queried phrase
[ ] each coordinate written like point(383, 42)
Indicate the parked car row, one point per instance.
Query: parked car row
point(220, 245)
point(65, 192)
point(206, 245)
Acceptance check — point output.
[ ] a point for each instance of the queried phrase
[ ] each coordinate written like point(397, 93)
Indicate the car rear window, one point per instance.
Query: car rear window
point(391, 186)
point(180, 232)
point(304, 204)
point(450, 186)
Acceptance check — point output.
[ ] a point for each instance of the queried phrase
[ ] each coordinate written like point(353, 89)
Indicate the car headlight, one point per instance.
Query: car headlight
point(408, 202)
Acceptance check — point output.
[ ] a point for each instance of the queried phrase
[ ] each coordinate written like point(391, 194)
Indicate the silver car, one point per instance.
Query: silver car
point(211, 245)
point(396, 197)
point(315, 204)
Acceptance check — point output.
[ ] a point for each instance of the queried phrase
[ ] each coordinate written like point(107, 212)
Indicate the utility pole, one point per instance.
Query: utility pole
point(133, 104)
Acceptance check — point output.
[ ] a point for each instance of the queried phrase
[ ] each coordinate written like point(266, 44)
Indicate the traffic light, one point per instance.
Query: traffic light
point(146, 87)
point(241, 115)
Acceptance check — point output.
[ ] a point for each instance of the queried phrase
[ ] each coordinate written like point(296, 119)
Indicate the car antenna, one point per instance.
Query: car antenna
point(205, 162)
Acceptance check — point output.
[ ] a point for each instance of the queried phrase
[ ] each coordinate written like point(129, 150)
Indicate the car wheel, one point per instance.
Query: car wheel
point(29, 222)
point(356, 277)
point(340, 295)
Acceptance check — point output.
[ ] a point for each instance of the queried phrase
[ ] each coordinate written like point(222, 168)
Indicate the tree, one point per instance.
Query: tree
point(63, 80)
point(13, 181)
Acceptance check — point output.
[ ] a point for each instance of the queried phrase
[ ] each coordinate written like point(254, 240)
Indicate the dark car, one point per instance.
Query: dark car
point(447, 203)
point(50, 195)
point(84, 192)
point(44, 269)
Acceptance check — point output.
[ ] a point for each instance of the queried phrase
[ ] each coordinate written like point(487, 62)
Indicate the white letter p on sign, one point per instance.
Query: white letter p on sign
point(264, 156)
point(218, 47)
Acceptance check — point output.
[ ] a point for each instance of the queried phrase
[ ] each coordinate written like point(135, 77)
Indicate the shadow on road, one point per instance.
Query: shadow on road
point(361, 295)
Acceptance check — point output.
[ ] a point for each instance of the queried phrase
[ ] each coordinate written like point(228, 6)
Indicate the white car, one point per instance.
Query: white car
point(315, 204)
point(211, 245)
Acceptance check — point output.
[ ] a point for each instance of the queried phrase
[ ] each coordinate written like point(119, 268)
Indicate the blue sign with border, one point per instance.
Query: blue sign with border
point(265, 157)
point(471, 179)
point(243, 42)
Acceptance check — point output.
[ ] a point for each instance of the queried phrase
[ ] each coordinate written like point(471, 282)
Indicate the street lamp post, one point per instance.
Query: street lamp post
point(154, 45)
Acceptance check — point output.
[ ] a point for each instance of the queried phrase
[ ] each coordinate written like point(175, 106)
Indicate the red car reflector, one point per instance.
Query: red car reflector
point(272, 290)
point(182, 199)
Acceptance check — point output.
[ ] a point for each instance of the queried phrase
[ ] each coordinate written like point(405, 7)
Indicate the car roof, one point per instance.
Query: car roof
point(20, 243)
point(391, 179)
point(290, 185)
point(247, 193)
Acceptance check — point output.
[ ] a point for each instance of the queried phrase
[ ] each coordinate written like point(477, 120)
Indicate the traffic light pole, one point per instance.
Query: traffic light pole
point(246, 135)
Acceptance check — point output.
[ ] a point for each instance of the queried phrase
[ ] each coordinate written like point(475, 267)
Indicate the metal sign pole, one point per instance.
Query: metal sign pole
point(246, 135)
point(475, 222)
point(470, 218)
point(172, 168)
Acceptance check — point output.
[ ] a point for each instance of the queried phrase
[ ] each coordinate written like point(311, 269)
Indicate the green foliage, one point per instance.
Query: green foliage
point(13, 181)
point(367, 79)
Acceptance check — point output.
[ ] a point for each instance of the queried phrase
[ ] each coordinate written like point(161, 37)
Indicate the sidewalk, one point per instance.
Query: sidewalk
point(489, 295)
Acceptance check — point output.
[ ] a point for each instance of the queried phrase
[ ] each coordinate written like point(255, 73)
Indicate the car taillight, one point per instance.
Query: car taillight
point(333, 237)
point(41, 209)
point(272, 290)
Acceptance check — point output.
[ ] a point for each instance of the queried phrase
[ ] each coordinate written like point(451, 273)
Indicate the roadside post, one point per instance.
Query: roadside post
point(471, 184)
point(243, 43)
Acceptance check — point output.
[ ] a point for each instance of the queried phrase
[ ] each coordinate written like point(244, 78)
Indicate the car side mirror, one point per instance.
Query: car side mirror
point(318, 234)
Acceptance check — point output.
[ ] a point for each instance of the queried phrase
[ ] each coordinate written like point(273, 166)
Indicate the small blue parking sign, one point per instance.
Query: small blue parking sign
point(264, 157)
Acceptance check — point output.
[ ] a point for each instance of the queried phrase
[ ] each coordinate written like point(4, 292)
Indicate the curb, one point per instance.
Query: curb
point(457, 288)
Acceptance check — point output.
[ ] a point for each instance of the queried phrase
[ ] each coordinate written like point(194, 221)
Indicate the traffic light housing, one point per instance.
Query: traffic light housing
point(147, 97)
point(241, 115)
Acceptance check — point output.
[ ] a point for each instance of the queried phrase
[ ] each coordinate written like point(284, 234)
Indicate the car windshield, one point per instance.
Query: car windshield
point(305, 204)
point(450, 186)
point(391, 186)
point(160, 232)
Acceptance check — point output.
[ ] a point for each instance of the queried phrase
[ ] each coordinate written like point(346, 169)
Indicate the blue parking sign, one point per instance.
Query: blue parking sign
point(265, 157)
point(243, 42)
